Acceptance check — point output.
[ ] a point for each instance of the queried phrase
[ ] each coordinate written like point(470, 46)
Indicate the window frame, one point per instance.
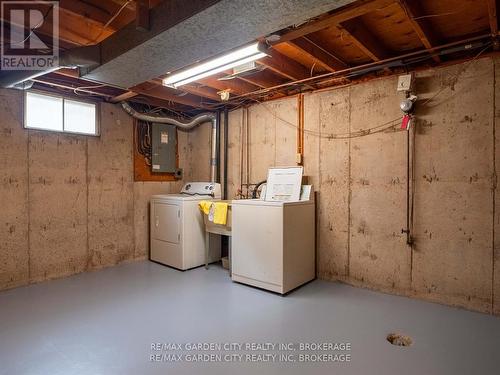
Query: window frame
point(64, 98)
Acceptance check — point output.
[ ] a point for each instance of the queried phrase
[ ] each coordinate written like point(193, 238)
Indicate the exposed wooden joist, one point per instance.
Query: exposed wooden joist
point(364, 40)
point(284, 66)
point(320, 56)
point(235, 86)
point(69, 86)
point(202, 91)
point(73, 73)
point(164, 93)
point(125, 96)
point(160, 103)
point(421, 27)
point(349, 12)
point(263, 79)
point(129, 4)
point(492, 14)
point(193, 88)
point(91, 13)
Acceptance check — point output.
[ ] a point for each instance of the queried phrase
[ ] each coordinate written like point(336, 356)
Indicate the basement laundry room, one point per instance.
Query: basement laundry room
point(249, 187)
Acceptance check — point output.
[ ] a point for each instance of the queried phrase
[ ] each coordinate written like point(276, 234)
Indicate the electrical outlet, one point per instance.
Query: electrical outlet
point(404, 82)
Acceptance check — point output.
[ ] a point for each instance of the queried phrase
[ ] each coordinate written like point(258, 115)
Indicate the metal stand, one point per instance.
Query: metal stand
point(229, 246)
point(207, 248)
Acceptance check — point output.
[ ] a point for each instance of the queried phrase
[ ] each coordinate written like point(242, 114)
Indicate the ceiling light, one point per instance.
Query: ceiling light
point(240, 56)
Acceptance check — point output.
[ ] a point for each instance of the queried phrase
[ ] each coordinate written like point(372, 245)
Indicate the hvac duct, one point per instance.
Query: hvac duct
point(184, 125)
point(84, 58)
point(181, 34)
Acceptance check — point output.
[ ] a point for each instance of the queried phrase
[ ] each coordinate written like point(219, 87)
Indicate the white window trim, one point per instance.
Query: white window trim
point(63, 131)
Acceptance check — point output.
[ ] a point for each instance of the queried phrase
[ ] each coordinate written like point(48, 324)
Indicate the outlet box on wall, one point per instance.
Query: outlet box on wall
point(404, 82)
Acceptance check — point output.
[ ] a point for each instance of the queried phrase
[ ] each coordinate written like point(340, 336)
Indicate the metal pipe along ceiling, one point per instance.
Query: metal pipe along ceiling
point(184, 125)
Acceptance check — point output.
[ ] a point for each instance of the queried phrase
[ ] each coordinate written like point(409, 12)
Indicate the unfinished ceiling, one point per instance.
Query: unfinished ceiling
point(365, 37)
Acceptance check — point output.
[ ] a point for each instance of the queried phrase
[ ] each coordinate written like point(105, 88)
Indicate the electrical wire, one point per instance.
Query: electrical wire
point(312, 69)
point(437, 15)
point(32, 30)
point(80, 88)
point(105, 26)
point(457, 75)
point(375, 129)
point(356, 134)
point(143, 137)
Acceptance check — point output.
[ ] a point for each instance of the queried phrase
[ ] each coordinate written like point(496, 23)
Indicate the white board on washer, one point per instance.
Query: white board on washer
point(283, 184)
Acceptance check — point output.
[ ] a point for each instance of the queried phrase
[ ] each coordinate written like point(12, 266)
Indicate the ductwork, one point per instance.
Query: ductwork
point(84, 58)
point(182, 33)
point(183, 125)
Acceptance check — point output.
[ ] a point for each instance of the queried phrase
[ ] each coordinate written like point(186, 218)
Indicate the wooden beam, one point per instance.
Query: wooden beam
point(160, 103)
point(363, 39)
point(317, 54)
point(130, 4)
point(349, 12)
point(68, 86)
point(194, 88)
point(492, 13)
point(125, 96)
point(234, 86)
point(421, 27)
point(284, 66)
point(67, 72)
point(199, 90)
point(165, 93)
point(85, 10)
point(263, 79)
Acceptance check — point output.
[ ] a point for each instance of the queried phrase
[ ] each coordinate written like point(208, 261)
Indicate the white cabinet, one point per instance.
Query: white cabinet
point(273, 244)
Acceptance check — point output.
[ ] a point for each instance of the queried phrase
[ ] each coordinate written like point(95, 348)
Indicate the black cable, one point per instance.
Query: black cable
point(226, 150)
point(144, 146)
point(256, 188)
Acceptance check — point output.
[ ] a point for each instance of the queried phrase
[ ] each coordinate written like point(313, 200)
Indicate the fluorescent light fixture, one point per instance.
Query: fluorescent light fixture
point(243, 55)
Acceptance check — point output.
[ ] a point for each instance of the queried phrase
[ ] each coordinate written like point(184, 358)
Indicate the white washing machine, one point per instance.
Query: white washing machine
point(177, 228)
point(273, 243)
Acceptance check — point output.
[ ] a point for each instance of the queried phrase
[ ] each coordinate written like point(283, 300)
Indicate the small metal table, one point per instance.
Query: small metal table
point(222, 230)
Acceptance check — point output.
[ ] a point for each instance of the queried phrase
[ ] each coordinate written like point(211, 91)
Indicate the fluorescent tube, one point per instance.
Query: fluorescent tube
point(217, 65)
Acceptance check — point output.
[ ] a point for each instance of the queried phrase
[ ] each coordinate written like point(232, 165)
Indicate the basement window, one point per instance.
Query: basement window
point(57, 113)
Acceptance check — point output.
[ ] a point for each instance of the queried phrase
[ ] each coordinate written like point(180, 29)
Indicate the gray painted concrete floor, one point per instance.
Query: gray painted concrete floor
point(104, 323)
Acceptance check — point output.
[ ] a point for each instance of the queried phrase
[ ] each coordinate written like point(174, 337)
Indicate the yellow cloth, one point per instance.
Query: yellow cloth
point(219, 210)
point(205, 206)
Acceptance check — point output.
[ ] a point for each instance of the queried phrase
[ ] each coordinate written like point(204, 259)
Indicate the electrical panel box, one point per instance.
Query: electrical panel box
point(164, 147)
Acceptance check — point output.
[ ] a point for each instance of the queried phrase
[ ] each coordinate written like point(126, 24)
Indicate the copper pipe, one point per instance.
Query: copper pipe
point(300, 129)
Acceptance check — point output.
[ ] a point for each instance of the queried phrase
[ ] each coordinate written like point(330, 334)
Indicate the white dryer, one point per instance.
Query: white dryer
point(177, 228)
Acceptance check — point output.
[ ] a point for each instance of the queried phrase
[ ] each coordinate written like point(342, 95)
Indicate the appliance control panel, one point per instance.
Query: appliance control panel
point(212, 189)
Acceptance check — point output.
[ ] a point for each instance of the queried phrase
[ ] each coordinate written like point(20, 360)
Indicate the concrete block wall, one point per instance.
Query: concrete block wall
point(361, 181)
point(68, 202)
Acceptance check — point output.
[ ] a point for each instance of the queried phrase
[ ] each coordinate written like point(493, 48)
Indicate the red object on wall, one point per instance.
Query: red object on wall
point(405, 124)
